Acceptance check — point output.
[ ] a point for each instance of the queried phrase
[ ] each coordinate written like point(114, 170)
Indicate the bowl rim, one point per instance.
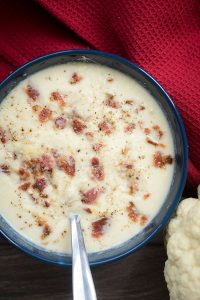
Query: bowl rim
point(155, 83)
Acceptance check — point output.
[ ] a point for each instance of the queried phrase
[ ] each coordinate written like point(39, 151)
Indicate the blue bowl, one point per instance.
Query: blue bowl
point(179, 139)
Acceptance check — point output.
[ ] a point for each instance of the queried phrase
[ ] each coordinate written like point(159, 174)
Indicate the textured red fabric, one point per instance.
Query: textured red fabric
point(162, 36)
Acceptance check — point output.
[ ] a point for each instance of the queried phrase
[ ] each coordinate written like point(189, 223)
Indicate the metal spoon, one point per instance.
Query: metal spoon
point(83, 285)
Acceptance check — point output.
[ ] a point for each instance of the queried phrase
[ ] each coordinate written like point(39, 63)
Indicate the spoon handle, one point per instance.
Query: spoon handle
point(83, 285)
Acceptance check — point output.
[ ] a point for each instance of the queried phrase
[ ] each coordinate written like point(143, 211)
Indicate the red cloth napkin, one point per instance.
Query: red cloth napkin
point(162, 36)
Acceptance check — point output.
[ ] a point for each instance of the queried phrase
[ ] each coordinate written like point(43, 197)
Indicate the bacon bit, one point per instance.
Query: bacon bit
point(24, 174)
point(95, 161)
point(88, 210)
point(132, 212)
point(129, 128)
point(46, 231)
point(129, 102)
point(159, 131)
point(78, 125)
point(5, 169)
point(149, 141)
point(31, 92)
point(44, 195)
point(143, 220)
point(46, 204)
point(147, 130)
point(89, 135)
point(67, 164)
point(3, 137)
point(32, 164)
point(41, 221)
point(97, 169)
point(90, 196)
point(133, 188)
point(161, 145)
point(156, 127)
point(75, 78)
point(56, 96)
point(46, 228)
point(128, 169)
point(36, 107)
point(160, 134)
point(98, 226)
point(60, 122)
point(125, 165)
point(97, 147)
point(129, 166)
point(168, 159)
point(70, 166)
point(110, 79)
point(141, 107)
point(146, 196)
point(105, 127)
point(45, 115)
point(111, 102)
point(160, 160)
point(24, 187)
point(124, 151)
point(134, 215)
point(45, 163)
point(40, 184)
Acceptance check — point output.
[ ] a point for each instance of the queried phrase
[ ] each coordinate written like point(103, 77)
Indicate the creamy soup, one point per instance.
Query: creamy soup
point(88, 139)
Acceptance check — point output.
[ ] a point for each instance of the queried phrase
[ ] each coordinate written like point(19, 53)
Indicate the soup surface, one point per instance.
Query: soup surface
point(88, 139)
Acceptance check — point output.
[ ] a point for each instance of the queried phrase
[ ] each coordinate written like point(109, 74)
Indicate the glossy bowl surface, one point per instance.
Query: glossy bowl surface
point(180, 145)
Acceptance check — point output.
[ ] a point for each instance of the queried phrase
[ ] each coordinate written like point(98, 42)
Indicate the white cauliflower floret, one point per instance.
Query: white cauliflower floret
point(182, 269)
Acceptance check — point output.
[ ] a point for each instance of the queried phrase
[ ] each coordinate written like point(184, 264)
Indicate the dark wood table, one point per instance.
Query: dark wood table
point(139, 276)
